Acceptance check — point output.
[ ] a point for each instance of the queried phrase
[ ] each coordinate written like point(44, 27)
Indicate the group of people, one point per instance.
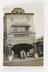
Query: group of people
point(23, 54)
point(11, 55)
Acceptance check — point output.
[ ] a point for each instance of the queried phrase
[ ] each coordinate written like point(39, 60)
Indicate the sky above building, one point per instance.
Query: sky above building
point(37, 9)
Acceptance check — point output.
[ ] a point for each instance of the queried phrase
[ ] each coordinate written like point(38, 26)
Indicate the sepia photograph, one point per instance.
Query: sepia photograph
point(23, 36)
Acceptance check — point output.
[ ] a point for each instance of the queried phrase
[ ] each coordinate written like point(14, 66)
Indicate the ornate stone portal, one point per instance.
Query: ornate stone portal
point(19, 27)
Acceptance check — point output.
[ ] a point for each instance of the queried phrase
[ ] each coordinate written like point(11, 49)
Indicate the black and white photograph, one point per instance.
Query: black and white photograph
point(23, 36)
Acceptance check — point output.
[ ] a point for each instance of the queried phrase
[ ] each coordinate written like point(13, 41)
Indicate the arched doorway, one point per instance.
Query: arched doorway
point(18, 47)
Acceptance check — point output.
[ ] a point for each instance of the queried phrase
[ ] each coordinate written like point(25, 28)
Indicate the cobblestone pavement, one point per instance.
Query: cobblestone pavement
point(25, 62)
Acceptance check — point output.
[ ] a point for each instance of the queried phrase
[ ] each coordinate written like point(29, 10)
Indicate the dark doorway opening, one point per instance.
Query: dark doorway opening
point(18, 47)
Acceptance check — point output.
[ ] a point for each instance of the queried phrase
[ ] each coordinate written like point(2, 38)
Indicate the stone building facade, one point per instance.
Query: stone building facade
point(19, 27)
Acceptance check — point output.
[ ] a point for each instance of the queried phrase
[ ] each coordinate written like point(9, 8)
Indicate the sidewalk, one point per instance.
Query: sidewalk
point(25, 62)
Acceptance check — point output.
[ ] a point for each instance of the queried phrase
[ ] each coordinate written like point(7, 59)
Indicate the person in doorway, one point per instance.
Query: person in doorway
point(23, 54)
point(10, 54)
point(35, 51)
